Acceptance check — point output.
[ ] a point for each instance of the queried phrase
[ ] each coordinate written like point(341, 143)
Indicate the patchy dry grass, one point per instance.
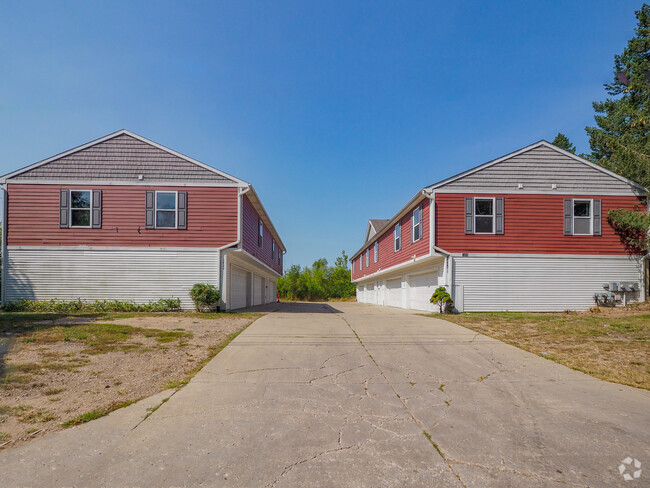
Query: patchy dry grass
point(60, 370)
point(610, 344)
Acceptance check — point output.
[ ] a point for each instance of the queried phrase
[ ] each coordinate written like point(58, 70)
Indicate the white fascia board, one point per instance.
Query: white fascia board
point(242, 255)
point(524, 191)
point(528, 148)
point(143, 183)
point(257, 203)
point(135, 136)
point(627, 257)
point(119, 248)
point(399, 267)
point(403, 211)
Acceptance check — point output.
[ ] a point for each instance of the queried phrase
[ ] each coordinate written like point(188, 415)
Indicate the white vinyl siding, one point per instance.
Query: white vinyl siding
point(136, 274)
point(538, 283)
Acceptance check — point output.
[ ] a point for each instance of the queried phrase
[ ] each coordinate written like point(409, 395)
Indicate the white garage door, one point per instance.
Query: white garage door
point(272, 292)
point(361, 294)
point(238, 287)
point(394, 293)
point(421, 288)
point(258, 287)
point(371, 294)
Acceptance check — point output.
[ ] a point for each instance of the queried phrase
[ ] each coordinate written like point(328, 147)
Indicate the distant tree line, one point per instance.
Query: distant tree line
point(318, 282)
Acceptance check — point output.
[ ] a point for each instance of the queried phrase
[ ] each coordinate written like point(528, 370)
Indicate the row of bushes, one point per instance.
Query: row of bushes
point(206, 298)
point(79, 305)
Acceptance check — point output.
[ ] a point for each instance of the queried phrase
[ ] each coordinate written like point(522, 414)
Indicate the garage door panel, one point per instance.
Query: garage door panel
point(421, 287)
point(238, 287)
point(258, 287)
point(394, 293)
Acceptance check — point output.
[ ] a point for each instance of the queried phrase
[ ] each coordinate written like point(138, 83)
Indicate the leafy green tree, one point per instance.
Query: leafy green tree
point(621, 139)
point(320, 282)
point(563, 142)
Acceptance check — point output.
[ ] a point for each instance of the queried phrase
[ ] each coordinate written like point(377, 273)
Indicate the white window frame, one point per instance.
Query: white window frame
point(155, 209)
point(90, 210)
point(367, 257)
point(591, 216)
point(414, 225)
point(375, 252)
point(494, 215)
point(260, 233)
point(361, 262)
point(397, 238)
point(272, 248)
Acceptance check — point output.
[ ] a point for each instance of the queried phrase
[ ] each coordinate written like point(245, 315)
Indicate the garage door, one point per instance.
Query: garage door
point(238, 287)
point(371, 296)
point(394, 293)
point(421, 288)
point(361, 294)
point(272, 291)
point(258, 287)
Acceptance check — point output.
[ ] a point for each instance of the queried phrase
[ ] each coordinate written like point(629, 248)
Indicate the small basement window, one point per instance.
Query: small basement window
point(80, 208)
point(166, 205)
point(484, 215)
point(582, 218)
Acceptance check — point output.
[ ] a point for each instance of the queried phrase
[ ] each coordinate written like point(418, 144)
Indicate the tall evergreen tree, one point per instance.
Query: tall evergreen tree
point(621, 140)
point(563, 142)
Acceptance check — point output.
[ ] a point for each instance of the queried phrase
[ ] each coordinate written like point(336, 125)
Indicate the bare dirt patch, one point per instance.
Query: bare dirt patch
point(65, 370)
point(612, 344)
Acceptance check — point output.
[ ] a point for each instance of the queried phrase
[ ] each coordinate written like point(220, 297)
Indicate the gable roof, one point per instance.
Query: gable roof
point(374, 226)
point(550, 164)
point(123, 157)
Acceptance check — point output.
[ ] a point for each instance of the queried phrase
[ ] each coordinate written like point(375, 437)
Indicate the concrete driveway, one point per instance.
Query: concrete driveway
point(350, 395)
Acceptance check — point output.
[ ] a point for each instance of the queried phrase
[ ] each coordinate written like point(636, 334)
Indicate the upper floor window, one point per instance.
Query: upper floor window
point(272, 249)
point(80, 208)
point(416, 224)
point(484, 215)
point(397, 237)
point(367, 257)
point(582, 217)
point(360, 262)
point(354, 266)
point(376, 252)
point(166, 205)
point(260, 232)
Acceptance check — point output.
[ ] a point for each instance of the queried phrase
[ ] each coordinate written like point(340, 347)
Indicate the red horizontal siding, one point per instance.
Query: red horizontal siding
point(533, 224)
point(33, 218)
point(387, 256)
point(250, 241)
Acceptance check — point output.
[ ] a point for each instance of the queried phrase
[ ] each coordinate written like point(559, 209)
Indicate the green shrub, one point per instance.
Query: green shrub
point(443, 299)
point(79, 305)
point(205, 296)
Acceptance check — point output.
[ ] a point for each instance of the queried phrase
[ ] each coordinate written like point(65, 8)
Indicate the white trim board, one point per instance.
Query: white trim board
point(399, 267)
point(122, 183)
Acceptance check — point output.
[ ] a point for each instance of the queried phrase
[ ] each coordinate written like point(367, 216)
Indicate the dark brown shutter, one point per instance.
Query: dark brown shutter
point(97, 209)
point(469, 215)
point(568, 217)
point(598, 217)
point(499, 215)
point(150, 218)
point(64, 209)
point(182, 210)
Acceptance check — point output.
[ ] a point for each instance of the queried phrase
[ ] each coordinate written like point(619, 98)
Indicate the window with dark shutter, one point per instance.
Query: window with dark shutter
point(598, 217)
point(499, 222)
point(469, 215)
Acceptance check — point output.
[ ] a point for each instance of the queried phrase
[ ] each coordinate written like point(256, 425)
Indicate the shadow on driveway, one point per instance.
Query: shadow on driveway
point(292, 307)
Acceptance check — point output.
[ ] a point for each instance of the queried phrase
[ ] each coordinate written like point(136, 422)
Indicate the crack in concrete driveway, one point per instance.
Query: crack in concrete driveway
point(352, 395)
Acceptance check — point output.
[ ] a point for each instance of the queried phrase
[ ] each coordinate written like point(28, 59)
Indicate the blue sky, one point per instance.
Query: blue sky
point(337, 112)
